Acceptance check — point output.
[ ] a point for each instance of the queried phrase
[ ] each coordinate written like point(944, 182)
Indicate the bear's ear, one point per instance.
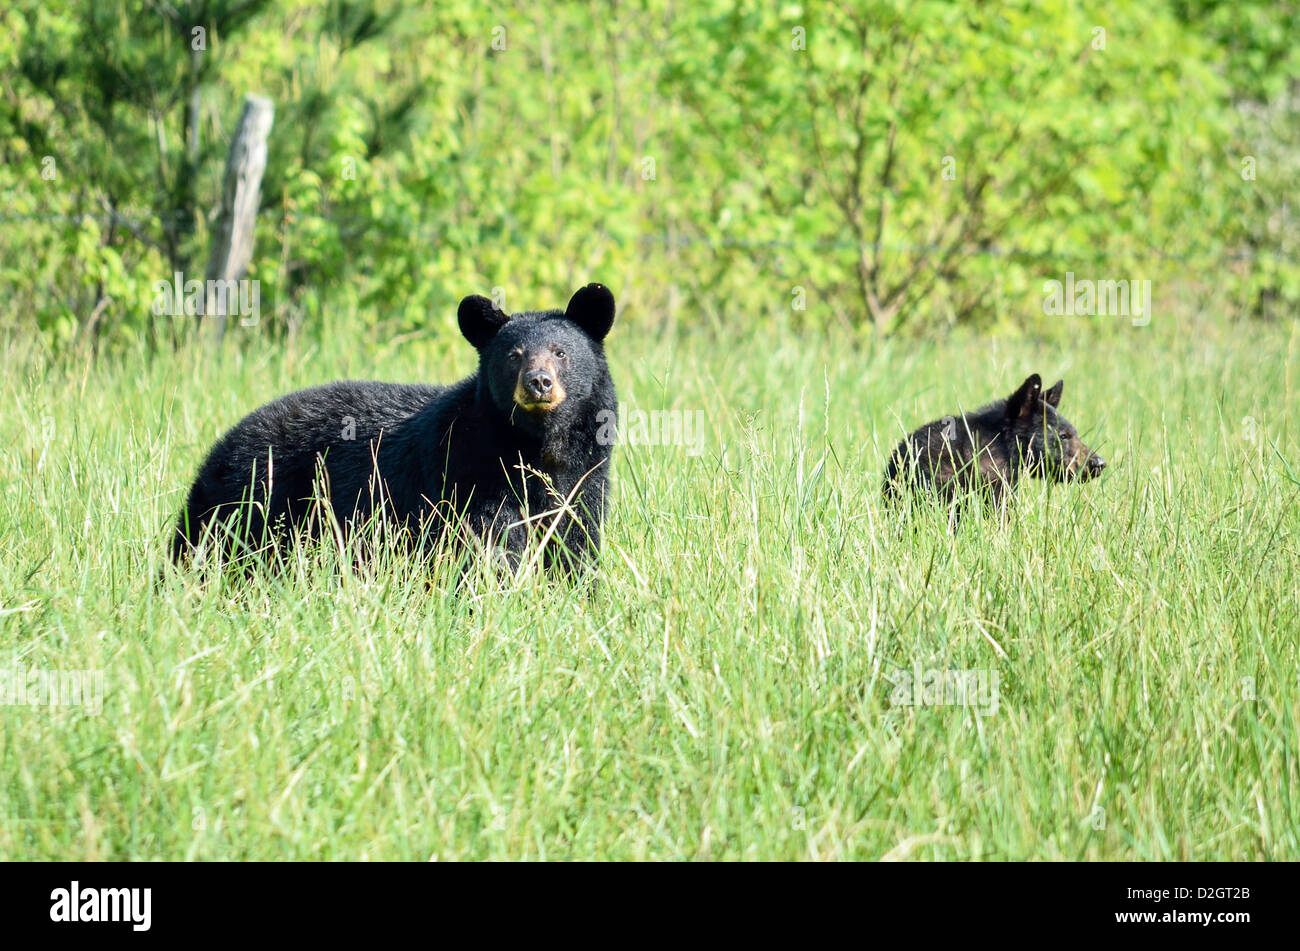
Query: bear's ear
point(592, 309)
point(1053, 396)
point(480, 320)
point(1024, 401)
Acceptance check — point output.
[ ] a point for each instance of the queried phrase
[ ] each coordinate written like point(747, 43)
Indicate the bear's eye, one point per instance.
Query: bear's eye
point(559, 352)
point(515, 356)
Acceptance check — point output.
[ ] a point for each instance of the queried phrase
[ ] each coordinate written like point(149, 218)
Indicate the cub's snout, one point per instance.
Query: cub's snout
point(1092, 467)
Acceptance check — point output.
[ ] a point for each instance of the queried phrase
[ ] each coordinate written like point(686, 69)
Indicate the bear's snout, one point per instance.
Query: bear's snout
point(538, 386)
point(1085, 464)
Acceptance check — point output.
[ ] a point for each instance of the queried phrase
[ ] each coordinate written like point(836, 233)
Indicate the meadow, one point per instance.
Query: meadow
point(729, 689)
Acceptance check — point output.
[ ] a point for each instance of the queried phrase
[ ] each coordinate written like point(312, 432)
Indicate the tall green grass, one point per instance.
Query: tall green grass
point(726, 691)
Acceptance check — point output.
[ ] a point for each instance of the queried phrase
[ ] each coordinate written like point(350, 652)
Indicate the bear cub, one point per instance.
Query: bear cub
point(985, 452)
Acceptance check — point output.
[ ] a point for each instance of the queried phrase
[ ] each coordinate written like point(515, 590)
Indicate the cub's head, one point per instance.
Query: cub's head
point(539, 367)
point(1048, 443)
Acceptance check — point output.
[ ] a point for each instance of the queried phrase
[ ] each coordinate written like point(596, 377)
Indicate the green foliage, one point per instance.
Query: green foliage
point(876, 164)
point(1258, 54)
point(952, 154)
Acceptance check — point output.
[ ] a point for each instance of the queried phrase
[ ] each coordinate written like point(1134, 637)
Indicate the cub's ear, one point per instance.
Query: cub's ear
point(592, 309)
point(480, 320)
point(1053, 396)
point(1024, 401)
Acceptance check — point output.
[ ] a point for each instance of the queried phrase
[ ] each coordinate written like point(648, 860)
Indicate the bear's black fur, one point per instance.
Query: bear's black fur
point(985, 452)
point(520, 449)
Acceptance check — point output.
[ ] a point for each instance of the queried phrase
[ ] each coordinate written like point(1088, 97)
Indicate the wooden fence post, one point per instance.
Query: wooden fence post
point(232, 245)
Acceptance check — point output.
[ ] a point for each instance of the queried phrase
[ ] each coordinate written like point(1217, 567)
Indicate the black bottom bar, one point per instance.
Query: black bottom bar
point(602, 903)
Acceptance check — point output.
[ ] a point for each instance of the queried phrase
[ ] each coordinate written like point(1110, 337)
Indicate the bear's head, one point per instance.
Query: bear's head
point(1048, 443)
point(541, 367)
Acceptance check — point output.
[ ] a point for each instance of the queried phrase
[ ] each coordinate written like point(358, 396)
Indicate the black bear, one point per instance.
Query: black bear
point(519, 450)
point(984, 453)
